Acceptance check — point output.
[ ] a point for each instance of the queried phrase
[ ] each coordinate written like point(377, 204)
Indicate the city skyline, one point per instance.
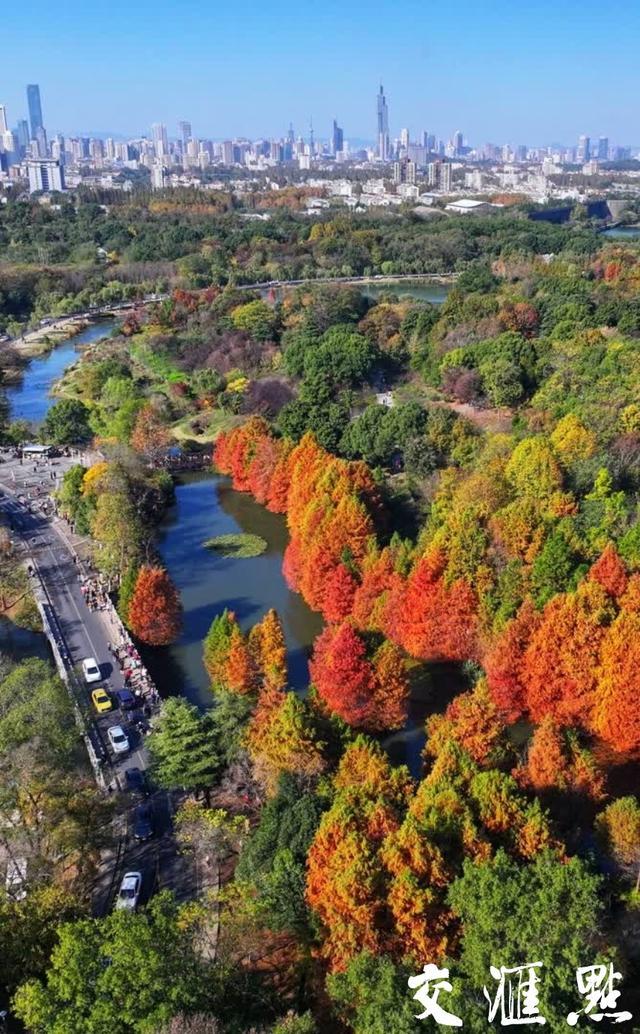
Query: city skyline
point(438, 71)
point(381, 141)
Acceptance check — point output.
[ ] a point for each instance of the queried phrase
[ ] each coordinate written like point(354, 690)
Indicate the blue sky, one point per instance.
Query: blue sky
point(524, 71)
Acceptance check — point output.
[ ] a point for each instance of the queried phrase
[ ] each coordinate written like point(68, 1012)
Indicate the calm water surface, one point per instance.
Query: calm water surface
point(30, 399)
point(627, 233)
point(206, 506)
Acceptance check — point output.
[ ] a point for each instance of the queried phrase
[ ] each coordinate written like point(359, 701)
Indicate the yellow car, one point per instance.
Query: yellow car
point(101, 700)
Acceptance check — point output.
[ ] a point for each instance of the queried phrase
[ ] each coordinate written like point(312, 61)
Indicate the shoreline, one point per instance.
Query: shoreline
point(44, 339)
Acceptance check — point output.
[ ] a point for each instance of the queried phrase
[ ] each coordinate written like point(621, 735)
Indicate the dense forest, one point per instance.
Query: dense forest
point(460, 485)
point(110, 247)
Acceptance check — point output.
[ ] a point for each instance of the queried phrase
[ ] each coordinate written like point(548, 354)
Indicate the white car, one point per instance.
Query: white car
point(90, 670)
point(129, 890)
point(118, 739)
point(16, 876)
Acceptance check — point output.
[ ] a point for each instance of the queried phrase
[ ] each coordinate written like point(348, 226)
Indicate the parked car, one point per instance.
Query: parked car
point(135, 781)
point(16, 877)
point(143, 821)
point(90, 670)
point(118, 739)
point(129, 892)
point(101, 700)
point(126, 700)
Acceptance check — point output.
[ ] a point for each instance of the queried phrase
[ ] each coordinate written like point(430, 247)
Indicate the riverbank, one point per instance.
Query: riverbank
point(42, 340)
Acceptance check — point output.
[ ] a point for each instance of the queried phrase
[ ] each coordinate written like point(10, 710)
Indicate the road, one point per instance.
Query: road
point(48, 547)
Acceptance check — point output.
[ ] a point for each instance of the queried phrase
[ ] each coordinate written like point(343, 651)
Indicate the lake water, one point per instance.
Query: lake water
point(623, 233)
point(206, 506)
point(30, 399)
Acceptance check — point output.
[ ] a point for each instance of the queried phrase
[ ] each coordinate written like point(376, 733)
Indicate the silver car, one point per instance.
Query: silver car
point(118, 739)
point(129, 892)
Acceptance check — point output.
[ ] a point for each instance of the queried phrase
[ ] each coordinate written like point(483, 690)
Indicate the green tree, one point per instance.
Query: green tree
point(126, 974)
point(373, 997)
point(28, 932)
point(274, 859)
point(256, 317)
point(552, 568)
point(67, 423)
point(184, 747)
point(548, 911)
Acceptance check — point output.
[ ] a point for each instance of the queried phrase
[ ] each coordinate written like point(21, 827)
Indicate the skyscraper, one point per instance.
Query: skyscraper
point(160, 141)
point(184, 129)
point(457, 143)
point(584, 149)
point(35, 109)
point(383, 126)
point(603, 148)
point(337, 139)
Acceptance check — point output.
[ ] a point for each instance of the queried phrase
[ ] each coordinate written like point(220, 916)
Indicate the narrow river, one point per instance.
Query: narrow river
point(30, 398)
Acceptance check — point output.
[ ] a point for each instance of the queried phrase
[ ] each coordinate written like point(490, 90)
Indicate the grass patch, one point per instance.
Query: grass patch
point(240, 546)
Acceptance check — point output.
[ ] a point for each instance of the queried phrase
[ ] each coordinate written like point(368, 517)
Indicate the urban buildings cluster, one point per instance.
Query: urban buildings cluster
point(411, 164)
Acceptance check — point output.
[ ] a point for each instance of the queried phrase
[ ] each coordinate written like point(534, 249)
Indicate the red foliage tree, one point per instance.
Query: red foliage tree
point(342, 674)
point(430, 619)
point(610, 572)
point(155, 609)
point(504, 661)
point(617, 707)
point(560, 662)
point(338, 592)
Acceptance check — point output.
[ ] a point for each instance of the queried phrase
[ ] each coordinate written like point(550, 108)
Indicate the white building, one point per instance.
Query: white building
point(467, 206)
point(45, 174)
point(158, 176)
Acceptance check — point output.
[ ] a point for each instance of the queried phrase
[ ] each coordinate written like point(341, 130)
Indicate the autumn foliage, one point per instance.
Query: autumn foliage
point(368, 693)
point(155, 609)
point(577, 662)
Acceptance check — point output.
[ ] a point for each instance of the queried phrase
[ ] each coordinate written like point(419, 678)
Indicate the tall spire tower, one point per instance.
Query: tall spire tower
point(383, 126)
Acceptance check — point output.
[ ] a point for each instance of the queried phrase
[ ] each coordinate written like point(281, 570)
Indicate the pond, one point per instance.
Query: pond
point(30, 398)
point(206, 505)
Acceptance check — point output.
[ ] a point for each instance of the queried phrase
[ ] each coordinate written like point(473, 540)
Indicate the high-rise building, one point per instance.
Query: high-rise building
point(603, 148)
point(404, 138)
point(160, 140)
point(417, 153)
point(35, 110)
point(383, 126)
point(45, 174)
point(337, 139)
point(227, 152)
point(22, 133)
point(404, 171)
point(3, 119)
point(158, 176)
point(184, 129)
point(584, 149)
point(458, 143)
point(439, 176)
